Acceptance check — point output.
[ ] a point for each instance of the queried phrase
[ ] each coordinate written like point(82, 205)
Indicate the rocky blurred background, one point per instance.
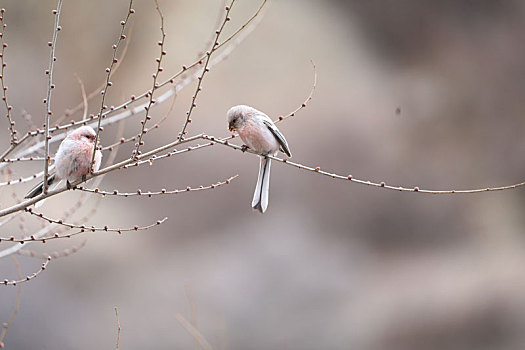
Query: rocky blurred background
point(414, 93)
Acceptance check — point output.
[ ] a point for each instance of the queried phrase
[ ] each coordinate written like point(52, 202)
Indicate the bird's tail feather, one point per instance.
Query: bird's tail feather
point(52, 187)
point(262, 190)
point(35, 191)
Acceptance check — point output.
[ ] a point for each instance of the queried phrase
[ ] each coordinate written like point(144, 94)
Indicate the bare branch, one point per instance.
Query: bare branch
point(97, 90)
point(155, 126)
point(27, 203)
point(84, 97)
point(155, 86)
point(205, 70)
point(55, 255)
point(50, 87)
point(190, 295)
point(167, 155)
point(118, 327)
point(28, 277)
point(362, 182)
point(217, 24)
point(303, 105)
point(194, 332)
point(81, 227)
point(22, 159)
point(150, 194)
point(108, 83)
point(5, 221)
point(8, 108)
point(21, 179)
point(110, 121)
point(245, 28)
point(17, 305)
point(15, 248)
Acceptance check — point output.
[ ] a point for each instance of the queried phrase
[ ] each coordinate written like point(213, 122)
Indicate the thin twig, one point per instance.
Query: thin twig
point(97, 90)
point(28, 277)
point(305, 103)
point(34, 238)
point(149, 194)
point(50, 87)
point(193, 148)
point(81, 227)
point(8, 108)
point(134, 138)
point(193, 310)
point(292, 113)
point(205, 70)
point(118, 327)
point(114, 60)
point(147, 155)
point(55, 255)
point(22, 159)
point(194, 332)
point(167, 155)
point(124, 105)
point(5, 221)
point(15, 248)
point(217, 24)
point(17, 305)
point(155, 86)
point(84, 97)
point(362, 182)
point(21, 179)
point(110, 121)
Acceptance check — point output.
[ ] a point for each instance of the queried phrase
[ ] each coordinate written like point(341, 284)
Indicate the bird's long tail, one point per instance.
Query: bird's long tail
point(35, 191)
point(262, 190)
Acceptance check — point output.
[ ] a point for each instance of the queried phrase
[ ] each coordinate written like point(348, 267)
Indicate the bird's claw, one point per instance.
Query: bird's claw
point(244, 148)
point(68, 185)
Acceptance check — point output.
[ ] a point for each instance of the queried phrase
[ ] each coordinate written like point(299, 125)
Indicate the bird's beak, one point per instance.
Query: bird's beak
point(231, 127)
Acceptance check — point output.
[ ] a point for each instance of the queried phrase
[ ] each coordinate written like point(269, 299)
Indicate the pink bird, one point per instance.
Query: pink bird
point(260, 134)
point(73, 159)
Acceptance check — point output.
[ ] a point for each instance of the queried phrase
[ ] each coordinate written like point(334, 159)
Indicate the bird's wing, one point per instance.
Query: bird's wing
point(280, 138)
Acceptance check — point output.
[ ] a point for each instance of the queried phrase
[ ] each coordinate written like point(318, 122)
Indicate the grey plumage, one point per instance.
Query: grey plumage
point(262, 189)
point(280, 138)
point(35, 191)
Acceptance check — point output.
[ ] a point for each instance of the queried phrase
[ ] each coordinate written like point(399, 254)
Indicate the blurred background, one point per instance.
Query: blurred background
point(411, 92)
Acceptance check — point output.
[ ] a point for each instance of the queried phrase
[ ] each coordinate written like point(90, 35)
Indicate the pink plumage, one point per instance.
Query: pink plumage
point(258, 137)
point(75, 153)
point(260, 134)
point(73, 158)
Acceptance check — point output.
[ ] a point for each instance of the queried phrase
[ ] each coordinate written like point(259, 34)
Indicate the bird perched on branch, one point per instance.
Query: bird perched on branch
point(73, 159)
point(259, 133)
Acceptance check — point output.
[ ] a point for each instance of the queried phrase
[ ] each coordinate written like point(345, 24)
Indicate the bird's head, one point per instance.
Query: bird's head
point(237, 115)
point(84, 133)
